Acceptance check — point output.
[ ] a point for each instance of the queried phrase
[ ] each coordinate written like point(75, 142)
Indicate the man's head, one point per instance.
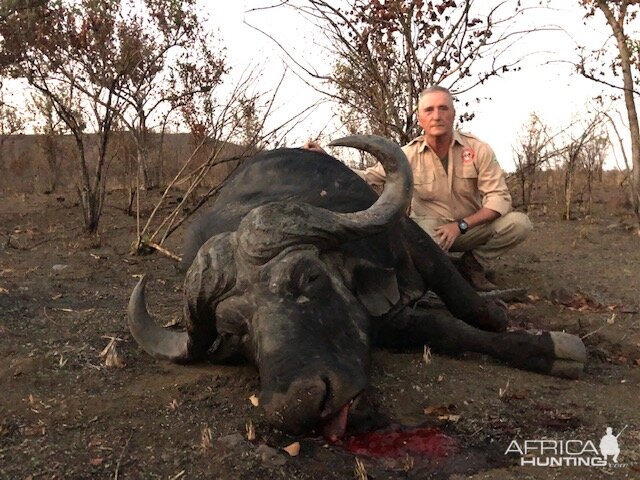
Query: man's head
point(436, 113)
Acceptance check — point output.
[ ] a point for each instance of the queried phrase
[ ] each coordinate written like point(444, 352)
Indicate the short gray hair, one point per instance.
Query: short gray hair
point(435, 88)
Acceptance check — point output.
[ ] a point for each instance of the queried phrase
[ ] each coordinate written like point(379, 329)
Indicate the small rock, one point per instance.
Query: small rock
point(270, 456)
point(58, 267)
point(231, 441)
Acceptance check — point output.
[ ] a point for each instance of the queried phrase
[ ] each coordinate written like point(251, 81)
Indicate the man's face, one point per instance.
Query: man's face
point(436, 114)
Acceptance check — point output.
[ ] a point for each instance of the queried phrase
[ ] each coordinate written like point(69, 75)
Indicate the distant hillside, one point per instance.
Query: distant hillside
point(37, 163)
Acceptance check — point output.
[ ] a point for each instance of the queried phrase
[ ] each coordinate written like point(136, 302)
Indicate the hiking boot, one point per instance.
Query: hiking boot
point(474, 273)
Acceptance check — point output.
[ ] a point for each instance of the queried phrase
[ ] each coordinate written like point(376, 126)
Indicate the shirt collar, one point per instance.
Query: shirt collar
point(422, 142)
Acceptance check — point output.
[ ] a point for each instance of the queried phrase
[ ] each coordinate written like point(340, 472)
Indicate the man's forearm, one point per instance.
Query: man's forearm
point(481, 217)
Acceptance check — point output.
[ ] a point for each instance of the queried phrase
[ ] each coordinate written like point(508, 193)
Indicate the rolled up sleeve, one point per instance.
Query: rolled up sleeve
point(373, 175)
point(491, 182)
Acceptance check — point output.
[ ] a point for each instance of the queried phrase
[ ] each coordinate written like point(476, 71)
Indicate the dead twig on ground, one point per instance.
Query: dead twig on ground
point(592, 333)
point(124, 449)
point(166, 252)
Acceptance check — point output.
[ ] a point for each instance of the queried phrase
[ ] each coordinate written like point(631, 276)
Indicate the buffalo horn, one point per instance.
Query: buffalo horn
point(155, 340)
point(267, 230)
point(397, 190)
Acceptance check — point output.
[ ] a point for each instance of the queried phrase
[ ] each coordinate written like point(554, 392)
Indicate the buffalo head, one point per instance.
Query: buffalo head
point(280, 291)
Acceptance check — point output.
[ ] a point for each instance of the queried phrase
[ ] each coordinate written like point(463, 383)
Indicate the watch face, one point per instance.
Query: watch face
point(463, 226)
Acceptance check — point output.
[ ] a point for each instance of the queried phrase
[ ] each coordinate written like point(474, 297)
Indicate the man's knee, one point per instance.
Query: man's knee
point(517, 225)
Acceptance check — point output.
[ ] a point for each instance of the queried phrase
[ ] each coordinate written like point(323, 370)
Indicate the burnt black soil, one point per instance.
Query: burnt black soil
point(64, 414)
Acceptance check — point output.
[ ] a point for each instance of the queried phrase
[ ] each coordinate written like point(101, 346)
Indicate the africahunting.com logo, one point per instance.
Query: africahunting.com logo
point(569, 453)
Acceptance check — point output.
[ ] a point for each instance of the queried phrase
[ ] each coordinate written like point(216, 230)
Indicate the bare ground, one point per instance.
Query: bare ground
point(65, 415)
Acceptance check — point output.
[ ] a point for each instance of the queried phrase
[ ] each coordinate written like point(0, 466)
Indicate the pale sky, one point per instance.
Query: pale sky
point(553, 90)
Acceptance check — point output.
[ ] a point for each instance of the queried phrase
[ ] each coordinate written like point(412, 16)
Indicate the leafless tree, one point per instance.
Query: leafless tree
point(11, 122)
point(387, 52)
point(174, 58)
point(594, 153)
point(105, 62)
point(575, 150)
point(594, 65)
point(628, 169)
point(50, 132)
point(535, 147)
point(226, 132)
point(65, 50)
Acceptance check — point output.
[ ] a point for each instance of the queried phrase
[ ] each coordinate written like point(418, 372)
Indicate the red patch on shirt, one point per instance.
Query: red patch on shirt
point(468, 155)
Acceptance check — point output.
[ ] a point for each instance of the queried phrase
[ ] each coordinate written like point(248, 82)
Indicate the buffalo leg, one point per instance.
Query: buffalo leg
point(441, 276)
point(553, 353)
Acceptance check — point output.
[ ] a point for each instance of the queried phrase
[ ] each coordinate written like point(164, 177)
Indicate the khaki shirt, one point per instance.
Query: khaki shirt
point(474, 179)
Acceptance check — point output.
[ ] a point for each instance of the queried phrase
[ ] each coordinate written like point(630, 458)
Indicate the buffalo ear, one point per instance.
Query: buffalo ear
point(376, 288)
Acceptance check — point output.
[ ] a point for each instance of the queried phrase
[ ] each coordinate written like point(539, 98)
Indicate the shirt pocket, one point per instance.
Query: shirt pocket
point(466, 179)
point(424, 185)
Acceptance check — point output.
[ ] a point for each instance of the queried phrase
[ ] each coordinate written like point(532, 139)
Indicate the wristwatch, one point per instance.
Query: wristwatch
point(463, 226)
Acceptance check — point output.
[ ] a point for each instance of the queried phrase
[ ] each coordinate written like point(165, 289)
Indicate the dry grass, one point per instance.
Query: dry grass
point(360, 471)
point(110, 355)
point(206, 439)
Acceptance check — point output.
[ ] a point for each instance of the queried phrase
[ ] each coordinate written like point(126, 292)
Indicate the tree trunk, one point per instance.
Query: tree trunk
point(629, 101)
point(568, 192)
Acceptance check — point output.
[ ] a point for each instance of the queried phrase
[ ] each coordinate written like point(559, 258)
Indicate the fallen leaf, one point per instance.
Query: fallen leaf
point(172, 323)
point(96, 461)
point(520, 395)
point(255, 401)
point(449, 418)
point(443, 412)
point(576, 301)
point(564, 415)
point(440, 410)
point(293, 450)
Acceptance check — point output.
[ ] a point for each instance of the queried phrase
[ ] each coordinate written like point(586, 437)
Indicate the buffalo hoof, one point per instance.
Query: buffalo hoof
point(492, 317)
point(553, 353)
point(571, 355)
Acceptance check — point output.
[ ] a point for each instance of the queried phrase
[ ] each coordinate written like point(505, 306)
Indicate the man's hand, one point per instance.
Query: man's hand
point(446, 234)
point(313, 146)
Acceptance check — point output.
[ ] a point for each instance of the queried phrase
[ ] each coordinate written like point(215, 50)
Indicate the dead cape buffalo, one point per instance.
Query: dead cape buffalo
point(300, 267)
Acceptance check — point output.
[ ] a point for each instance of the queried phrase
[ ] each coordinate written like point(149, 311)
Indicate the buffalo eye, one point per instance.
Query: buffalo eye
point(308, 280)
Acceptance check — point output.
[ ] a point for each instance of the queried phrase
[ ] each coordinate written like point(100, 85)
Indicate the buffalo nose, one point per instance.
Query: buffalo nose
point(298, 409)
point(309, 402)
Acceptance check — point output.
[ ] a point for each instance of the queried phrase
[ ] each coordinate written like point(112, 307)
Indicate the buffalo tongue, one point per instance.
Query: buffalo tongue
point(336, 425)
